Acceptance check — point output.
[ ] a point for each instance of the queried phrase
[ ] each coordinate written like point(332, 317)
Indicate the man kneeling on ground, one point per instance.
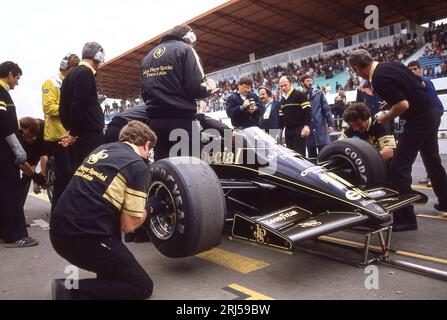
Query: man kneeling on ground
point(106, 195)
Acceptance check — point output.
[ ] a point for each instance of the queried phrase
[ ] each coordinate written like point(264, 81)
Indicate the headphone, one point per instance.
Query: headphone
point(190, 37)
point(65, 63)
point(99, 56)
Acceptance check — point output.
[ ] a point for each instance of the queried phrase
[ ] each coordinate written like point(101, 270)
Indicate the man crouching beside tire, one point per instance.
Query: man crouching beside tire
point(107, 194)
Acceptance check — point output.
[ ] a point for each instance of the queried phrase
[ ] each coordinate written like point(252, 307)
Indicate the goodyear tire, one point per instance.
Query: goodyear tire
point(356, 161)
point(51, 177)
point(196, 215)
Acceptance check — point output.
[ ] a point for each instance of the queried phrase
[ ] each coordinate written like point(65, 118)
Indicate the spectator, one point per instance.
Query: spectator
point(270, 118)
point(338, 108)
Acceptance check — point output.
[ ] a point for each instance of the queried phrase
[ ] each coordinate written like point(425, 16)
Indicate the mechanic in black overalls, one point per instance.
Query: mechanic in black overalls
point(171, 79)
point(12, 155)
point(403, 92)
point(107, 194)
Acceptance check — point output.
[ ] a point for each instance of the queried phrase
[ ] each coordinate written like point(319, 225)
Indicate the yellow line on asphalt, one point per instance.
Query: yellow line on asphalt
point(399, 252)
point(431, 217)
point(252, 295)
point(232, 261)
point(41, 196)
point(420, 187)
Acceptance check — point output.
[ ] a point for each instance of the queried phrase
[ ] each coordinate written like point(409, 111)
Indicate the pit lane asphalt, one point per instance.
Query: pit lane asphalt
point(236, 270)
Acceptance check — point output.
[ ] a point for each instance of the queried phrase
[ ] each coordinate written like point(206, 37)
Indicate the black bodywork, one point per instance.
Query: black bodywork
point(275, 197)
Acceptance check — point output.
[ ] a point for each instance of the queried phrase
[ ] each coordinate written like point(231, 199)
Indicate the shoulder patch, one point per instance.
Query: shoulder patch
point(159, 52)
point(46, 91)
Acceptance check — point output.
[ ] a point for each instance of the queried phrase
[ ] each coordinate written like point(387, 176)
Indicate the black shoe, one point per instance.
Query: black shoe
point(59, 292)
point(405, 227)
point(22, 243)
point(442, 211)
point(129, 237)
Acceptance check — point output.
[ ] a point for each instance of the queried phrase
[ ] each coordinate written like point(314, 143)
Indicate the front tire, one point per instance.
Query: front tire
point(196, 215)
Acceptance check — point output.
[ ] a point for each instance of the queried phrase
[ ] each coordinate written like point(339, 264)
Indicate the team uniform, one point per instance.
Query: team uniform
point(53, 132)
point(377, 134)
point(12, 218)
point(294, 113)
point(34, 151)
point(85, 225)
point(394, 82)
point(170, 79)
point(138, 113)
point(81, 113)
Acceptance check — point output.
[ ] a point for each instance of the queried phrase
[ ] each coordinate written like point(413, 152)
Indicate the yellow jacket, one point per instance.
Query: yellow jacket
point(50, 103)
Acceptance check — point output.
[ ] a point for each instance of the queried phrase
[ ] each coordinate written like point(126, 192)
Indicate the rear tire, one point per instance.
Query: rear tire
point(196, 215)
point(356, 161)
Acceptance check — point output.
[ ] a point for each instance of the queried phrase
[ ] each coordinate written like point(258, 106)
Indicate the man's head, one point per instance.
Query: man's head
point(415, 67)
point(69, 62)
point(139, 134)
point(306, 82)
point(29, 128)
point(244, 85)
point(285, 84)
point(185, 33)
point(360, 61)
point(357, 116)
point(10, 72)
point(93, 51)
point(265, 94)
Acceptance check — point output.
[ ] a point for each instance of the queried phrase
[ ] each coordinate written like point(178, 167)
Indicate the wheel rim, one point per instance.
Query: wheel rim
point(163, 224)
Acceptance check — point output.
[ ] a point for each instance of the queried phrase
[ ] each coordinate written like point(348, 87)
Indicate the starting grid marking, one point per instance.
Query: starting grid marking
point(232, 261)
point(243, 293)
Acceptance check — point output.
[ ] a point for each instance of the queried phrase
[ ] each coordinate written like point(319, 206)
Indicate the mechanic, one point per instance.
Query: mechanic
point(243, 106)
point(428, 84)
point(37, 149)
point(12, 155)
point(79, 108)
point(322, 122)
point(294, 115)
point(171, 80)
point(362, 126)
point(137, 112)
point(403, 92)
point(54, 131)
point(270, 118)
point(112, 183)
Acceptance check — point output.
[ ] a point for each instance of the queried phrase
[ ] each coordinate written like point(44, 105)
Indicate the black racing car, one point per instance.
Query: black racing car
point(271, 195)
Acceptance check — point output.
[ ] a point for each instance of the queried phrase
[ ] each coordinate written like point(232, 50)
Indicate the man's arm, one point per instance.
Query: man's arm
point(233, 107)
point(131, 223)
point(193, 75)
point(395, 111)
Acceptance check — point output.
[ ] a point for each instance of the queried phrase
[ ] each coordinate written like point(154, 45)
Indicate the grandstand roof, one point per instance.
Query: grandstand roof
point(229, 33)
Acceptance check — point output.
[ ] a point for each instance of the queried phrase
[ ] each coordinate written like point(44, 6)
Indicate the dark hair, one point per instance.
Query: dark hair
point(356, 111)
point(267, 90)
point(31, 124)
point(245, 80)
point(360, 58)
point(9, 66)
point(180, 30)
point(138, 134)
point(414, 63)
point(304, 77)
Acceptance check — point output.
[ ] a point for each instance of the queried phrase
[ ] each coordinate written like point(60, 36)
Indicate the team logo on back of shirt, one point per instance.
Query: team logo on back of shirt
point(95, 157)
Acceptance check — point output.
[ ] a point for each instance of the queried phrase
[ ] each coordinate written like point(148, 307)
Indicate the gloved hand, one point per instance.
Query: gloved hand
point(17, 149)
point(38, 179)
point(156, 205)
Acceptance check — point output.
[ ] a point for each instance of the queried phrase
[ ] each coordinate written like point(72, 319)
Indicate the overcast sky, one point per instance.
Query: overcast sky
point(38, 34)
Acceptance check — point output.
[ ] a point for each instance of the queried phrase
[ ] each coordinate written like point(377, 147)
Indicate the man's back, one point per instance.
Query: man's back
point(79, 108)
point(91, 203)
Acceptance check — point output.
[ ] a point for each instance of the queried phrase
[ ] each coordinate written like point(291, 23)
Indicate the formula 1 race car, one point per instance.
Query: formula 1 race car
point(272, 195)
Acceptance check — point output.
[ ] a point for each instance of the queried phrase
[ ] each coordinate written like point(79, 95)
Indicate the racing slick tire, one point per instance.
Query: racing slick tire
point(195, 217)
point(356, 161)
point(51, 177)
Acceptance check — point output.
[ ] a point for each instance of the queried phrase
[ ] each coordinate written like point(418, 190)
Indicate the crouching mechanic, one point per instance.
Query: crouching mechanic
point(107, 195)
point(363, 126)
